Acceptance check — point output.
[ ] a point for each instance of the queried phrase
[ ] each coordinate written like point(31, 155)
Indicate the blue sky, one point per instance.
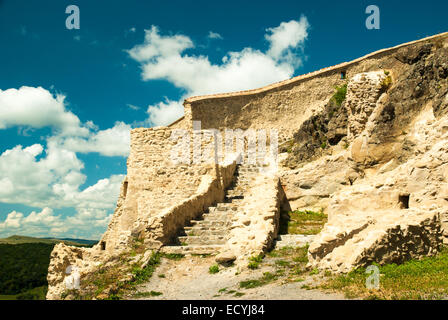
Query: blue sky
point(69, 97)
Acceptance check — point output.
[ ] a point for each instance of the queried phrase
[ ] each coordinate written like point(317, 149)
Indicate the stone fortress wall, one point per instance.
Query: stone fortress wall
point(283, 105)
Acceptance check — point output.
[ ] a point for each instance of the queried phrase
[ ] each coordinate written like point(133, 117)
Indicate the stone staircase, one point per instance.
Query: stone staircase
point(209, 233)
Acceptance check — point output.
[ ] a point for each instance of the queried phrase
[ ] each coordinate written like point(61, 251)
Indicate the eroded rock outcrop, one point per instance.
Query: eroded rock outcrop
point(399, 210)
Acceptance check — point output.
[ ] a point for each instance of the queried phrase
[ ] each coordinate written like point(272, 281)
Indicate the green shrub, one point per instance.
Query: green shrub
point(254, 262)
point(323, 145)
point(386, 83)
point(339, 95)
point(213, 269)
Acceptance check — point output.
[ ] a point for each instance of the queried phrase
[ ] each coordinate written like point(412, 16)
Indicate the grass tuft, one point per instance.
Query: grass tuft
point(213, 269)
point(425, 279)
point(339, 95)
point(303, 222)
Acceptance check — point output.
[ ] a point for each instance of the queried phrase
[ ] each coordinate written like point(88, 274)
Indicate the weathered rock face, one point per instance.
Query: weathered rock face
point(377, 162)
point(255, 226)
point(363, 92)
point(325, 129)
point(399, 210)
point(66, 262)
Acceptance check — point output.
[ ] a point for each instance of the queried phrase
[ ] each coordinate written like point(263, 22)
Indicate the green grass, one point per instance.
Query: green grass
point(282, 263)
point(254, 262)
point(314, 272)
point(249, 284)
point(267, 278)
point(339, 95)
point(213, 269)
point(174, 256)
point(147, 294)
point(303, 222)
point(37, 293)
point(288, 262)
point(143, 274)
point(107, 278)
point(425, 279)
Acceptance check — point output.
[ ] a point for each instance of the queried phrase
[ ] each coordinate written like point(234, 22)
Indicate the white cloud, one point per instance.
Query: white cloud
point(164, 57)
point(28, 180)
point(157, 46)
point(85, 224)
point(36, 223)
point(37, 108)
point(102, 195)
point(51, 177)
point(54, 181)
point(214, 35)
point(286, 38)
point(165, 113)
point(133, 107)
point(110, 142)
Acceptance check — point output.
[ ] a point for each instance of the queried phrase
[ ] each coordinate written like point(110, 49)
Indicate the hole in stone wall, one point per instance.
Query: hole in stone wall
point(336, 139)
point(404, 201)
point(343, 74)
point(103, 245)
point(125, 189)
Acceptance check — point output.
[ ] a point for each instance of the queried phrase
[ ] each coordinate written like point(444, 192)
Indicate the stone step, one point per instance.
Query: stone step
point(200, 227)
point(203, 240)
point(206, 232)
point(203, 249)
point(250, 170)
point(223, 206)
point(216, 217)
point(209, 224)
point(293, 240)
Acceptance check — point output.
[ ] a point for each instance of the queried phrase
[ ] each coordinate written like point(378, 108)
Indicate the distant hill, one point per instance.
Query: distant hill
point(23, 239)
point(72, 240)
point(24, 265)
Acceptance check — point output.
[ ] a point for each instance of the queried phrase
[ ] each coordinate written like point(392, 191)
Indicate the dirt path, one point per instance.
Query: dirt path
point(189, 279)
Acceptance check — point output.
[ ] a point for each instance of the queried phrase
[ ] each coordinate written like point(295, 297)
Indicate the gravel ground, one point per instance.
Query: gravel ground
point(189, 279)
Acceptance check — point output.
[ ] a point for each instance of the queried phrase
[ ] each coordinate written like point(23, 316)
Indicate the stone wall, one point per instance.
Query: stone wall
point(161, 193)
point(285, 105)
point(255, 226)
